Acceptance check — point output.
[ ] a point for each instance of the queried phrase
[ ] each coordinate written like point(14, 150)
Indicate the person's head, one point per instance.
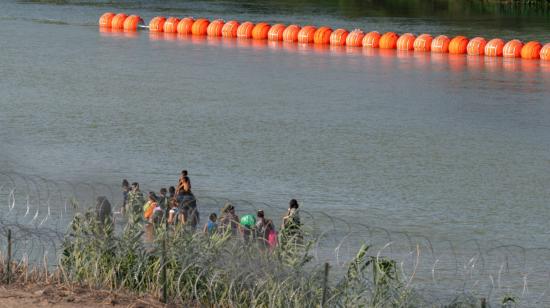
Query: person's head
point(125, 184)
point(152, 196)
point(228, 208)
point(184, 172)
point(213, 217)
point(260, 214)
point(163, 191)
point(293, 204)
point(135, 186)
point(172, 190)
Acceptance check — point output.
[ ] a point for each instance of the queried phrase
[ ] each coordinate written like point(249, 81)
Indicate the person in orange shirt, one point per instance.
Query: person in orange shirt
point(149, 207)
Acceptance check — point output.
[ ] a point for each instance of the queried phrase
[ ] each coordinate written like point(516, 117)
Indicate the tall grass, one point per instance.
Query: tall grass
point(221, 270)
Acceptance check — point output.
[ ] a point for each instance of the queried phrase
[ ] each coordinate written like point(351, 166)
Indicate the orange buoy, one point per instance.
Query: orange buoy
point(185, 25)
point(423, 42)
point(389, 40)
point(260, 31)
point(276, 32)
point(132, 22)
point(171, 25)
point(230, 28)
point(215, 28)
point(441, 44)
point(157, 24)
point(545, 52)
point(494, 48)
point(355, 38)
point(512, 49)
point(306, 34)
point(200, 26)
point(322, 35)
point(372, 39)
point(531, 50)
point(338, 37)
point(458, 45)
point(245, 30)
point(291, 33)
point(476, 46)
point(406, 42)
point(118, 21)
point(106, 19)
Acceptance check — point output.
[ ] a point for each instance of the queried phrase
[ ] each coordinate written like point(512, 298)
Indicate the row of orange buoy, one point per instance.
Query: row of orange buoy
point(325, 35)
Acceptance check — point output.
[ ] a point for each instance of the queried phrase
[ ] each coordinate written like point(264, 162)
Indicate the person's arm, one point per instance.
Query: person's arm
point(205, 229)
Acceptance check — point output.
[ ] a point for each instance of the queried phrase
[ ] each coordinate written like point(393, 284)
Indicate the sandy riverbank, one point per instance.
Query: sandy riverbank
point(61, 296)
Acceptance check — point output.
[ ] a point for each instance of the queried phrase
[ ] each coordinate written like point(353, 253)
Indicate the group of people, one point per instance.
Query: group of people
point(177, 205)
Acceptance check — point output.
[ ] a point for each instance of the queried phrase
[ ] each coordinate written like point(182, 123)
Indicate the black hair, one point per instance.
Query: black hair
point(163, 190)
point(184, 172)
point(152, 195)
point(261, 213)
point(172, 189)
point(293, 204)
point(136, 184)
point(125, 183)
point(213, 216)
point(186, 179)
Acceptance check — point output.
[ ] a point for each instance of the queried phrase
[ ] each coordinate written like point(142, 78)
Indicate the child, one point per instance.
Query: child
point(211, 226)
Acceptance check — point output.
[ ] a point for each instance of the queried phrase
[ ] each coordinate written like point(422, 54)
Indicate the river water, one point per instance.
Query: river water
point(449, 148)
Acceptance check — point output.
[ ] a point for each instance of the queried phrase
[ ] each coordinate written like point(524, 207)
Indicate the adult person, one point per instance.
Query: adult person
point(229, 221)
point(135, 202)
point(149, 207)
point(188, 203)
point(103, 211)
point(264, 229)
point(291, 227)
point(163, 204)
point(247, 227)
point(183, 180)
point(125, 191)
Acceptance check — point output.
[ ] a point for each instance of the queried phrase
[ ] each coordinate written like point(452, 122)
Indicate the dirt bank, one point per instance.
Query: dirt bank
point(19, 296)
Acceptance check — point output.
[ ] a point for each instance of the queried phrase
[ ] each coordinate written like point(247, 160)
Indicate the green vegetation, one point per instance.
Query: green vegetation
point(221, 270)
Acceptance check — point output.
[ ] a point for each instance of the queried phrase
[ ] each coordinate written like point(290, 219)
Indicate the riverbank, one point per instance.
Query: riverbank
point(56, 295)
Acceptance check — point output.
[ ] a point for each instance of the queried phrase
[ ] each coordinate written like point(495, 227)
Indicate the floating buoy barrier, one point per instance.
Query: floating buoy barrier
point(200, 27)
point(476, 46)
point(171, 25)
point(338, 37)
point(306, 34)
point(355, 38)
point(260, 31)
point(245, 30)
point(494, 48)
point(215, 28)
point(157, 24)
point(275, 33)
point(423, 42)
point(389, 40)
point(406, 41)
point(440, 44)
point(323, 36)
point(291, 33)
point(458, 45)
point(229, 29)
point(512, 49)
point(185, 25)
point(372, 39)
point(105, 21)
